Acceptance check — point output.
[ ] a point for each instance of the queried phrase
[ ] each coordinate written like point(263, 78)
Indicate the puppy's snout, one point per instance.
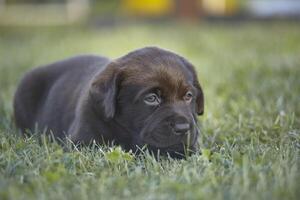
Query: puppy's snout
point(180, 126)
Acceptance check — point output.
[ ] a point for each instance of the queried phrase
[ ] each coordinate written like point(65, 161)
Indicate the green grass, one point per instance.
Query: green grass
point(250, 131)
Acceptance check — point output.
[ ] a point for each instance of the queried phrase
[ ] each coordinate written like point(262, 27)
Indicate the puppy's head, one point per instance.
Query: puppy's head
point(154, 95)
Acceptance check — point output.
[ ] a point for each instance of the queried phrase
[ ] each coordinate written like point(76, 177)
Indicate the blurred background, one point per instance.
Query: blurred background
point(61, 12)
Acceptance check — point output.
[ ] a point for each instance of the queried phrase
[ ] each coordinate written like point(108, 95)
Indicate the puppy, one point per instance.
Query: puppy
point(148, 97)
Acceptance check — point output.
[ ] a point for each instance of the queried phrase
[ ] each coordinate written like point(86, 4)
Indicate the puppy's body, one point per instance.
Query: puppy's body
point(92, 98)
point(49, 96)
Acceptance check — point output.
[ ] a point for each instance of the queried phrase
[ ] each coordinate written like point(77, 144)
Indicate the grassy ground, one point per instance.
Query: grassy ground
point(250, 131)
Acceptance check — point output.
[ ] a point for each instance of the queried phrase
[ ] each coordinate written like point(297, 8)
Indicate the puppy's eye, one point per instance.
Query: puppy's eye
point(188, 96)
point(152, 99)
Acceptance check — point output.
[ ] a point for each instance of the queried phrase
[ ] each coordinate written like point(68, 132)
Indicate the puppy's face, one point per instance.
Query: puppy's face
point(155, 97)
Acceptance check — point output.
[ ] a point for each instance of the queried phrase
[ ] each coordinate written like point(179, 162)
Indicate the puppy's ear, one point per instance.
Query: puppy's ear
point(104, 90)
point(199, 96)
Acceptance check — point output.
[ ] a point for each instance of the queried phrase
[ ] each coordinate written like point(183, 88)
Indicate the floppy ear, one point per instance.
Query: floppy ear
point(199, 96)
point(104, 90)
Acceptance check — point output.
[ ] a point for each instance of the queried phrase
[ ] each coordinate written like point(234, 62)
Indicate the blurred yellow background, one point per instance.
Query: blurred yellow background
point(61, 12)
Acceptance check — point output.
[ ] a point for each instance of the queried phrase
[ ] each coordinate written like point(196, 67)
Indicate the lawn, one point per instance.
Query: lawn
point(250, 139)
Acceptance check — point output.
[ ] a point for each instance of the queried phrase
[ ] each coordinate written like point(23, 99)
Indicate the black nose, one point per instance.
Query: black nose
point(180, 125)
point(182, 128)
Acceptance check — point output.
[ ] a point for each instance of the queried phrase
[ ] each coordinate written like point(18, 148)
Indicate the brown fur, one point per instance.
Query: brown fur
point(90, 98)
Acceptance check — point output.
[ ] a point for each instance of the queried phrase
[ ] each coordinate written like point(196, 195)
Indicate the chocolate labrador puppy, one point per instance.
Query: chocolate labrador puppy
point(148, 97)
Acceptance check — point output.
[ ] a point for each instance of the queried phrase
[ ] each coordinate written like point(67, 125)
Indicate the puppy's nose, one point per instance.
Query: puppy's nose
point(181, 128)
